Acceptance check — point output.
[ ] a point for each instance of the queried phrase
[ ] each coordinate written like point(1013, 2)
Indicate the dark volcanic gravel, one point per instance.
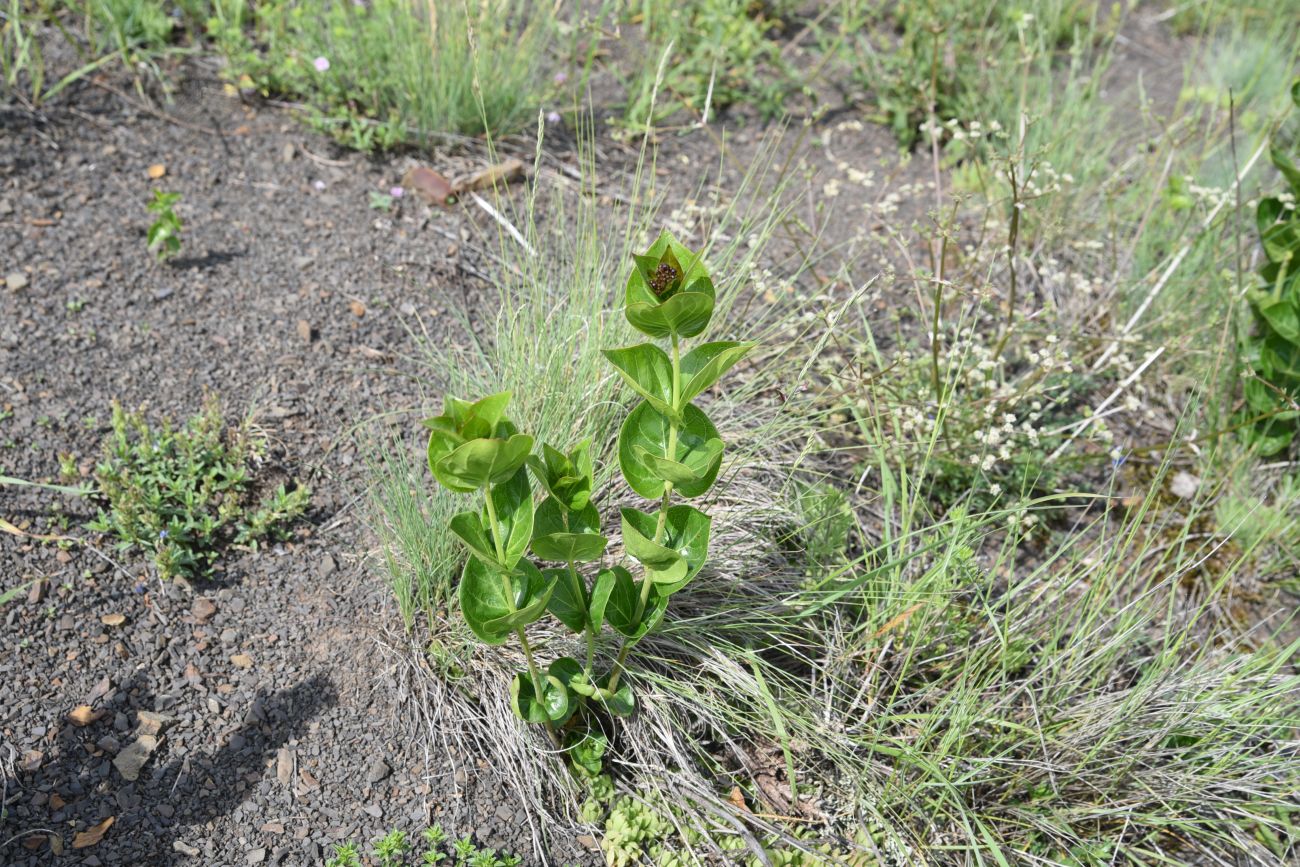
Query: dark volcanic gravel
point(281, 730)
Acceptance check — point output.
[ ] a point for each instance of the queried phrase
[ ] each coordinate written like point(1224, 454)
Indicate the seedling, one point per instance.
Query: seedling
point(667, 446)
point(164, 236)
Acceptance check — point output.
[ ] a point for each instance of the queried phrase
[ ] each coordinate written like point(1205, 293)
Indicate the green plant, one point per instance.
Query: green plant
point(1273, 349)
point(391, 848)
point(376, 75)
point(184, 495)
point(666, 444)
point(164, 237)
point(719, 53)
point(345, 855)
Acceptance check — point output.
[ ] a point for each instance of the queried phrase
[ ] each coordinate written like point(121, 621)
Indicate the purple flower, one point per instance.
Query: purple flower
point(318, 185)
point(396, 192)
point(553, 117)
point(561, 77)
point(322, 64)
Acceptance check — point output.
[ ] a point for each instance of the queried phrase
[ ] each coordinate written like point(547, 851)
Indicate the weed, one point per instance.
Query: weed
point(184, 495)
point(164, 236)
point(719, 53)
point(375, 75)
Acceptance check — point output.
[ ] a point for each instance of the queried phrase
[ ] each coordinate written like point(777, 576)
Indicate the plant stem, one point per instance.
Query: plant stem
point(580, 593)
point(538, 683)
point(671, 454)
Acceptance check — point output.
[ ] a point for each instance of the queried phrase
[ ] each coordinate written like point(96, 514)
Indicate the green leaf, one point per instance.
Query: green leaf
point(1268, 212)
point(565, 669)
point(462, 422)
point(566, 547)
point(483, 601)
point(685, 314)
point(468, 526)
point(620, 610)
point(705, 365)
point(666, 250)
point(586, 749)
point(1286, 167)
point(601, 588)
point(649, 371)
point(686, 531)
point(513, 501)
point(706, 461)
point(565, 603)
point(480, 462)
point(621, 702)
point(1281, 316)
point(554, 703)
point(567, 536)
point(648, 430)
point(638, 541)
point(567, 478)
point(484, 604)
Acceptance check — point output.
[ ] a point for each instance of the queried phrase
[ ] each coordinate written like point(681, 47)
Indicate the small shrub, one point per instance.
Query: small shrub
point(184, 495)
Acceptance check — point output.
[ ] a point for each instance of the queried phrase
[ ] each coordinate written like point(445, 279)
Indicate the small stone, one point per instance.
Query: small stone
point(257, 856)
point(153, 723)
point(328, 566)
point(37, 592)
point(108, 744)
point(131, 760)
point(304, 330)
point(16, 281)
point(164, 702)
point(377, 771)
point(163, 294)
point(287, 152)
point(32, 761)
point(214, 706)
point(373, 810)
point(203, 609)
point(284, 766)
point(242, 660)
point(184, 848)
point(1183, 485)
point(358, 308)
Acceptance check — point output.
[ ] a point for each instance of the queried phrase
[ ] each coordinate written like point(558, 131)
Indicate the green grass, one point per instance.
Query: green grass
point(392, 72)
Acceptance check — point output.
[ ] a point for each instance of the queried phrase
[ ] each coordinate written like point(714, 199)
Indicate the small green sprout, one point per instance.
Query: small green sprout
point(164, 238)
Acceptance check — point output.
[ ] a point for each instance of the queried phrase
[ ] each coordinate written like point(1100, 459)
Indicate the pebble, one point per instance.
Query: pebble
point(131, 760)
point(257, 856)
point(377, 771)
point(16, 281)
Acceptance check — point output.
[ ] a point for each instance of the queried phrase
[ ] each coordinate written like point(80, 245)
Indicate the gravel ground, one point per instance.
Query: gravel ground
point(278, 728)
